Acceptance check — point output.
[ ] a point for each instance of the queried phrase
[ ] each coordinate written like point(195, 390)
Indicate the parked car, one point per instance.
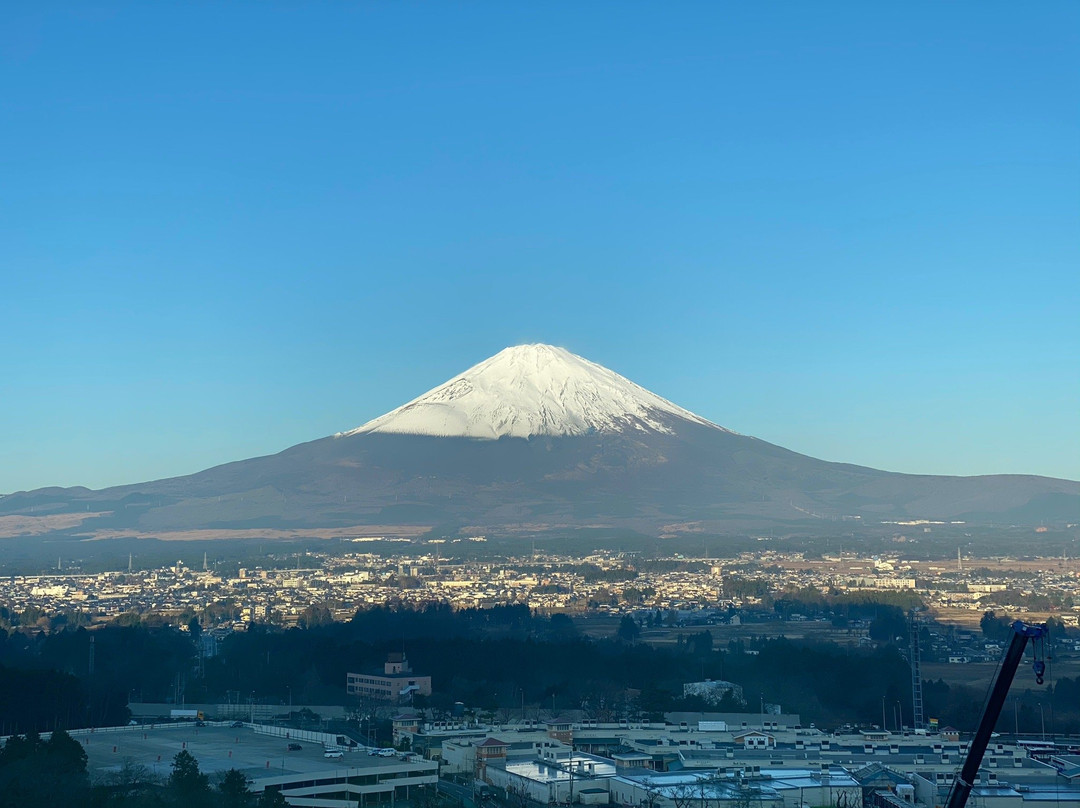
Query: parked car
point(295, 747)
point(237, 725)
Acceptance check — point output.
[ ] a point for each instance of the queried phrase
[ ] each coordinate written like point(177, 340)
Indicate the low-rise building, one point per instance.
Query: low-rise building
point(397, 683)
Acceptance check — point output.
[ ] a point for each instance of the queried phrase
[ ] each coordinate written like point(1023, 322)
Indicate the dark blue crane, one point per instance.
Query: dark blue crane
point(1022, 634)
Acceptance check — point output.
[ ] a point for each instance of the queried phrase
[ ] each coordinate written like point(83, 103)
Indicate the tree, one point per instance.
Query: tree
point(426, 796)
point(707, 791)
point(682, 796)
point(628, 629)
point(747, 796)
point(562, 627)
point(187, 783)
point(651, 796)
point(888, 624)
point(131, 779)
point(36, 772)
point(66, 759)
point(701, 644)
point(517, 794)
point(315, 615)
point(234, 789)
point(272, 798)
point(994, 627)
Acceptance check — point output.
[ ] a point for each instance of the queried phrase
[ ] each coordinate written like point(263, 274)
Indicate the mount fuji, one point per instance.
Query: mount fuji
point(533, 439)
point(531, 391)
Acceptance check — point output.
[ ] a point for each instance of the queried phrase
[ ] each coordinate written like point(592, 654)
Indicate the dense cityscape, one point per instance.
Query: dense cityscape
point(404, 733)
point(604, 582)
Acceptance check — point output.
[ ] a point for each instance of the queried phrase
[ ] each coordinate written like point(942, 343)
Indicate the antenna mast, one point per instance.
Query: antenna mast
point(917, 721)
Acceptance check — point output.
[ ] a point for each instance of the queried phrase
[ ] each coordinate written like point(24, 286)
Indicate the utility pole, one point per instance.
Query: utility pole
point(570, 768)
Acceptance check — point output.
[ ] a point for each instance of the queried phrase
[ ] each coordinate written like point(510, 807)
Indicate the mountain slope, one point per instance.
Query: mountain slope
point(536, 439)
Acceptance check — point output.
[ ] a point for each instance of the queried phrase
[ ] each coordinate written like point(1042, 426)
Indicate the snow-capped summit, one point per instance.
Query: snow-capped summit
point(532, 390)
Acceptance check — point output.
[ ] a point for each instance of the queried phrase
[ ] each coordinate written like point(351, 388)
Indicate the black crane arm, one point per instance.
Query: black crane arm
point(1022, 633)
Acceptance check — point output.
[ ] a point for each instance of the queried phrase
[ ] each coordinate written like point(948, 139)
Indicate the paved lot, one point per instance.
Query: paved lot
point(216, 749)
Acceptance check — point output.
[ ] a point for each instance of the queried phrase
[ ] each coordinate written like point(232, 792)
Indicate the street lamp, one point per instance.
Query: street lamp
point(570, 799)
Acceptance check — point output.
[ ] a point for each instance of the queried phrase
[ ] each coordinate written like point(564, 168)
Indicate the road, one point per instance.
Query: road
point(458, 792)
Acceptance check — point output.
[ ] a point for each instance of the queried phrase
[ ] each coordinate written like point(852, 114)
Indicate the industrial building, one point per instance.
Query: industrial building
point(737, 760)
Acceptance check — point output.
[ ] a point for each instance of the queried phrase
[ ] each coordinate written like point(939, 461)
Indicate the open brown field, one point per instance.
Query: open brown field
point(269, 534)
point(21, 525)
point(969, 618)
point(599, 627)
point(979, 674)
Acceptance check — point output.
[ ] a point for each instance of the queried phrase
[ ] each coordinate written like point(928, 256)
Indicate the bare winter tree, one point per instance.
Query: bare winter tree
point(747, 796)
point(425, 796)
point(651, 796)
point(684, 796)
point(517, 794)
point(131, 778)
point(708, 791)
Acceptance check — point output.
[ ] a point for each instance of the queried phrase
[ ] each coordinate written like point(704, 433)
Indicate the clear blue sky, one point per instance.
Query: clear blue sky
point(852, 229)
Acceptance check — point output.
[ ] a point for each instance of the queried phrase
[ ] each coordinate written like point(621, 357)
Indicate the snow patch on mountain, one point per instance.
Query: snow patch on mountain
point(533, 390)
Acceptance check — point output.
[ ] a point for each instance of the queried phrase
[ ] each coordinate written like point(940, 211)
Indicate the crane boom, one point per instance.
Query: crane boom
point(1022, 633)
